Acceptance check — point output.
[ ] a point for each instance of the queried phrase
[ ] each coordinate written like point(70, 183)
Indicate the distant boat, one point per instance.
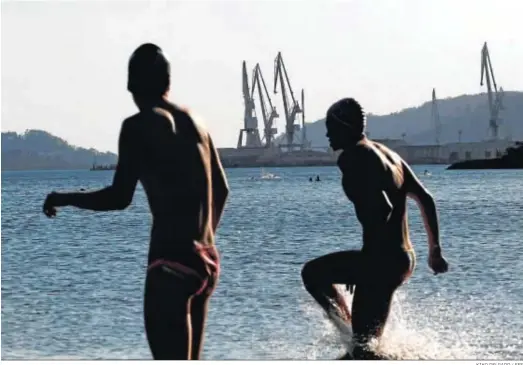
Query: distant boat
point(268, 175)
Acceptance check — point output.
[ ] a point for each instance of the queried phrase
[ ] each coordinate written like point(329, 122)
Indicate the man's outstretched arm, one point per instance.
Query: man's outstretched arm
point(220, 186)
point(427, 206)
point(119, 195)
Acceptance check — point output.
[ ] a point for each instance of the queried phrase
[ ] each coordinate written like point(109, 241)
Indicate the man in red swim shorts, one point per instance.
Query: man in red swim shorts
point(175, 160)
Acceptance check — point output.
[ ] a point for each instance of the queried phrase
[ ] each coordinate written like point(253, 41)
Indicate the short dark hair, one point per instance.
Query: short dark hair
point(149, 72)
point(349, 113)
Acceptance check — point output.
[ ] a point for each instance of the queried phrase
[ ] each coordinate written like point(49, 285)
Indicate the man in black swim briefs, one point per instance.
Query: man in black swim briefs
point(377, 181)
point(175, 160)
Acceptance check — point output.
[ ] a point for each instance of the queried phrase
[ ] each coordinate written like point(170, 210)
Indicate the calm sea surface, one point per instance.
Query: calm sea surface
point(72, 286)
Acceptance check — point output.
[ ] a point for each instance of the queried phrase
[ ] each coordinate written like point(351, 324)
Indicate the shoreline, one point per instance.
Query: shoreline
point(282, 165)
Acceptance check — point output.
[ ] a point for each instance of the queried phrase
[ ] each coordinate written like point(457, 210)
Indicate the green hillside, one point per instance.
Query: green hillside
point(39, 150)
point(468, 113)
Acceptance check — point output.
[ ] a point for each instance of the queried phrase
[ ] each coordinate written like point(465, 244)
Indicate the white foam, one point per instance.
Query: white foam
point(411, 335)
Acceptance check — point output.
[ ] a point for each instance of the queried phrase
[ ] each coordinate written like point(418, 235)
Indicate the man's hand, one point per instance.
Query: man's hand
point(52, 201)
point(437, 262)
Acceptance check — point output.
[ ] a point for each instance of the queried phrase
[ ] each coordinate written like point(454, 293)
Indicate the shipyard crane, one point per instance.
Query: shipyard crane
point(495, 97)
point(268, 114)
point(435, 117)
point(291, 110)
point(304, 142)
point(250, 122)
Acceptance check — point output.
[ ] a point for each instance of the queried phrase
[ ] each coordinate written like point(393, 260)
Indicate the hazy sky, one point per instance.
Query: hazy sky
point(64, 63)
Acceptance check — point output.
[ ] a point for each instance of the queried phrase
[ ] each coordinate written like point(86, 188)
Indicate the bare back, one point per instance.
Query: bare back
point(374, 179)
point(175, 158)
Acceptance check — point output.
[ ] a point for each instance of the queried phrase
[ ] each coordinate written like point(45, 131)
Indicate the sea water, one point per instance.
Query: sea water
point(72, 287)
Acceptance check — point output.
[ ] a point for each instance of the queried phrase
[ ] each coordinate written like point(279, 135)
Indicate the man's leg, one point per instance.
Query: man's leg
point(200, 302)
point(320, 275)
point(199, 308)
point(373, 298)
point(370, 311)
point(167, 315)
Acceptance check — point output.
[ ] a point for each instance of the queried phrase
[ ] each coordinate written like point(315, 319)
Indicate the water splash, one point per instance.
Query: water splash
point(409, 335)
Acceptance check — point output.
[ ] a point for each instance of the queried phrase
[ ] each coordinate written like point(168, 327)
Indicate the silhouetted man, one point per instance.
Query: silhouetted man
point(377, 181)
point(175, 160)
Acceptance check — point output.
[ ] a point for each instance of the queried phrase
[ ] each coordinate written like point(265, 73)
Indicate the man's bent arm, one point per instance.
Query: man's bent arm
point(220, 186)
point(119, 195)
point(427, 206)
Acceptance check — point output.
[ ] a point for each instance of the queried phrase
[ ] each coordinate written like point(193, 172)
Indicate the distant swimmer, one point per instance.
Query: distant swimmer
point(318, 178)
point(176, 161)
point(377, 181)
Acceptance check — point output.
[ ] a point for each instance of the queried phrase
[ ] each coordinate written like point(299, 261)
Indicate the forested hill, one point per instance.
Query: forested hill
point(468, 113)
point(39, 150)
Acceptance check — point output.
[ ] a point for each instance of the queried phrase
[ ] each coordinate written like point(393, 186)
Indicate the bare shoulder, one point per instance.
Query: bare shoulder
point(132, 119)
point(360, 158)
point(157, 118)
point(390, 154)
point(195, 117)
point(130, 124)
point(160, 119)
point(162, 115)
point(393, 162)
point(196, 121)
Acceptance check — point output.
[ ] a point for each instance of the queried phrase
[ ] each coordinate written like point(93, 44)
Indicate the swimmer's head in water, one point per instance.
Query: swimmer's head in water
point(345, 123)
point(149, 73)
